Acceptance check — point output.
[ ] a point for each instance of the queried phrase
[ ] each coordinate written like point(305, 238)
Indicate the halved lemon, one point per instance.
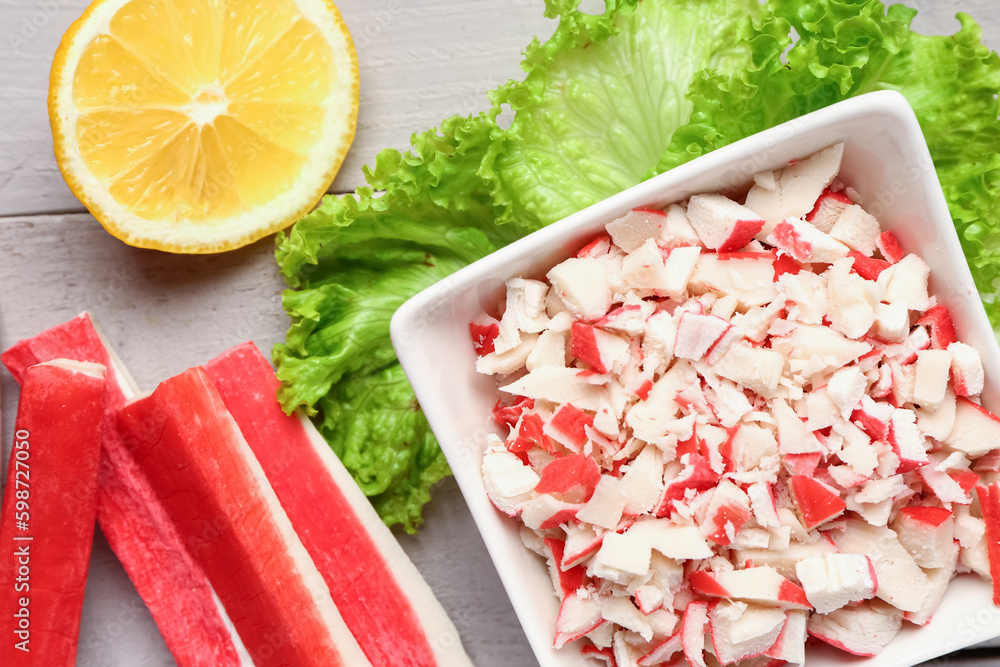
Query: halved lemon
point(198, 126)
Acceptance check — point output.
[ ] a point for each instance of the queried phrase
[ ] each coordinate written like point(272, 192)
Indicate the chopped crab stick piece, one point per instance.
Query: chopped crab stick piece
point(749, 276)
point(835, 580)
point(187, 612)
point(582, 284)
point(559, 385)
point(889, 247)
point(817, 502)
point(381, 595)
point(596, 347)
point(931, 381)
point(989, 502)
point(967, 375)
point(677, 230)
point(693, 628)
point(579, 614)
point(927, 533)
point(664, 651)
point(795, 190)
point(756, 368)
point(976, 430)
point(827, 211)
point(484, 330)
point(200, 465)
point(636, 227)
point(568, 427)
point(938, 319)
point(49, 505)
point(901, 582)
point(565, 581)
point(862, 631)
point(727, 513)
point(907, 283)
point(805, 243)
point(939, 578)
point(742, 631)
point(790, 646)
point(756, 584)
point(569, 476)
point(697, 334)
point(868, 267)
point(722, 224)
point(508, 481)
point(857, 229)
point(784, 560)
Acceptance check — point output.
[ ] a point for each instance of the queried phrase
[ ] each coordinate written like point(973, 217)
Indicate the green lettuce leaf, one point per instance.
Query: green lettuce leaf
point(608, 100)
point(601, 99)
point(354, 261)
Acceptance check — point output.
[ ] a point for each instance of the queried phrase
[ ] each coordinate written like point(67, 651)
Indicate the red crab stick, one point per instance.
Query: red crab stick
point(214, 489)
point(47, 525)
point(383, 598)
point(181, 601)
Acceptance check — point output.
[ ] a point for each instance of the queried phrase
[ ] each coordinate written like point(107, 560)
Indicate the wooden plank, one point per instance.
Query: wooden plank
point(421, 61)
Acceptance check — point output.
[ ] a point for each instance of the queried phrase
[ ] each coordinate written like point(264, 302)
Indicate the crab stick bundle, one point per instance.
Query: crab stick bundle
point(49, 504)
point(380, 594)
point(213, 488)
point(145, 540)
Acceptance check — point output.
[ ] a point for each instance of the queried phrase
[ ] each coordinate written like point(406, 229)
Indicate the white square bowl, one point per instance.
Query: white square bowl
point(886, 161)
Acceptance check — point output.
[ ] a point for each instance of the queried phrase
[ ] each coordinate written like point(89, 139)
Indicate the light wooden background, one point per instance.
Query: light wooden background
point(421, 60)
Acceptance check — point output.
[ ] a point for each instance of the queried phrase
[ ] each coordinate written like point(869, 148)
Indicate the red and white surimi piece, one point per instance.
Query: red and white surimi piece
point(795, 190)
point(942, 330)
point(693, 629)
point(888, 245)
point(49, 505)
point(579, 613)
point(967, 374)
point(761, 584)
point(835, 580)
point(180, 599)
point(805, 243)
point(722, 224)
point(696, 334)
point(741, 631)
point(596, 347)
point(827, 210)
point(218, 496)
point(384, 600)
point(859, 630)
point(817, 502)
point(927, 533)
point(857, 229)
point(976, 431)
point(635, 227)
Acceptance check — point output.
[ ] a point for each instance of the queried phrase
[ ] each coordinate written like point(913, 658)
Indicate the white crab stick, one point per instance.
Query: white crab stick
point(47, 524)
point(180, 599)
point(210, 484)
point(381, 595)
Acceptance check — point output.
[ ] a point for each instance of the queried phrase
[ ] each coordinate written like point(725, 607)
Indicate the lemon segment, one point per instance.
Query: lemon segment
point(200, 126)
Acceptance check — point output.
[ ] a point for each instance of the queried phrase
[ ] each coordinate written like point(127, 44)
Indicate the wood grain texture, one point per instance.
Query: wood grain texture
point(421, 61)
